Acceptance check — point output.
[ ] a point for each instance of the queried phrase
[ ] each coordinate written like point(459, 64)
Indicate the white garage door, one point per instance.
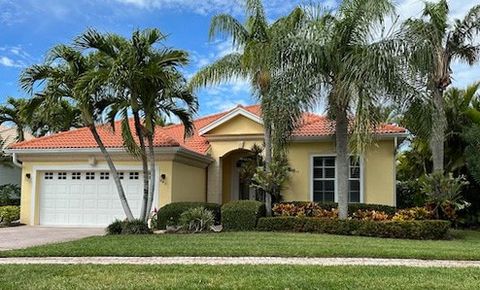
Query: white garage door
point(86, 198)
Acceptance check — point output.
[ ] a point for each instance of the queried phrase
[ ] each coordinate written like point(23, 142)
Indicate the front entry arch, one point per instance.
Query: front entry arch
point(233, 187)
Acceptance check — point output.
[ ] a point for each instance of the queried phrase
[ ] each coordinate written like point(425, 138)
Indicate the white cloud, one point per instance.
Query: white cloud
point(8, 62)
point(211, 6)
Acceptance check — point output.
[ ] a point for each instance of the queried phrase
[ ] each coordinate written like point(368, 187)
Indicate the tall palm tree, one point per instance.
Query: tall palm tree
point(147, 83)
point(436, 44)
point(12, 112)
point(338, 58)
point(60, 77)
point(255, 43)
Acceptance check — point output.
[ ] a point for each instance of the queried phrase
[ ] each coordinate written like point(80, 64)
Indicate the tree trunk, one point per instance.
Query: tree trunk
point(113, 170)
point(341, 144)
point(437, 139)
point(153, 172)
point(268, 160)
point(143, 156)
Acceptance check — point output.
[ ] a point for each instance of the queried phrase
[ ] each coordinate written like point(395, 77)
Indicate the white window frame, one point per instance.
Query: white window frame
point(362, 170)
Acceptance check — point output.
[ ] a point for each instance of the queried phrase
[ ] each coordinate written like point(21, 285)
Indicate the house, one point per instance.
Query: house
point(9, 173)
point(66, 182)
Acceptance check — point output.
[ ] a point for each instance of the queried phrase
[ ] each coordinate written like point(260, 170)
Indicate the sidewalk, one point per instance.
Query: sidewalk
point(240, 261)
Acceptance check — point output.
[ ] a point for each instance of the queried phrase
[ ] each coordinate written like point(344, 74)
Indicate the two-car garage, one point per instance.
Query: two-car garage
point(85, 198)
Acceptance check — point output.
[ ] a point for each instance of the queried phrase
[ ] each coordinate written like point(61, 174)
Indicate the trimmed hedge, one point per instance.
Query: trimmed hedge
point(242, 215)
point(352, 207)
point(172, 211)
point(133, 227)
point(418, 230)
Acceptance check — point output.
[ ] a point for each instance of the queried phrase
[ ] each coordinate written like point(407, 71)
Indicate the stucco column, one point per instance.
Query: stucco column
point(214, 182)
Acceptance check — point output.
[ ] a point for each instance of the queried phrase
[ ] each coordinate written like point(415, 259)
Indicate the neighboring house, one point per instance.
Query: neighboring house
point(66, 182)
point(9, 173)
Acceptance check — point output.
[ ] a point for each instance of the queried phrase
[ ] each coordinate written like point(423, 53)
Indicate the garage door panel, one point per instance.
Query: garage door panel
point(78, 201)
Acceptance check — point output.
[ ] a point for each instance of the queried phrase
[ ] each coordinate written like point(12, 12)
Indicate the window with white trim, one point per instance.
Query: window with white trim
point(48, 175)
point(76, 175)
point(62, 175)
point(90, 175)
point(134, 175)
point(104, 175)
point(324, 179)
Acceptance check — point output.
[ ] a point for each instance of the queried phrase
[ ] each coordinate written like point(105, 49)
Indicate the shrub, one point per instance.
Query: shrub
point(9, 194)
point(115, 228)
point(421, 230)
point(242, 215)
point(412, 214)
point(133, 227)
point(8, 214)
point(170, 213)
point(314, 209)
point(370, 215)
point(196, 220)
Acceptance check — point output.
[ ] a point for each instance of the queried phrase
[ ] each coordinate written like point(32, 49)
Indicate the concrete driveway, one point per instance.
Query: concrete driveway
point(26, 236)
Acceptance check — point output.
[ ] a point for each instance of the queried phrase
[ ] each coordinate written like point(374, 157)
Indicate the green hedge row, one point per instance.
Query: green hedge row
point(242, 215)
point(418, 230)
point(171, 212)
point(352, 207)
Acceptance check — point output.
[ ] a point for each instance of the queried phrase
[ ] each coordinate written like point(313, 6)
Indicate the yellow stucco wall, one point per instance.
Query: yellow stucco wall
point(238, 125)
point(378, 171)
point(189, 183)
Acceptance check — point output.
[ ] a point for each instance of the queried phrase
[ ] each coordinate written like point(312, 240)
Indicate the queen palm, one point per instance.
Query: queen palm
point(437, 43)
point(254, 60)
point(254, 41)
point(60, 77)
point(339, 59)
point(147, 83)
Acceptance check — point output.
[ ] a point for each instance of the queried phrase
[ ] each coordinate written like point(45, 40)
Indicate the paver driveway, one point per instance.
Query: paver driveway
point(26, 236)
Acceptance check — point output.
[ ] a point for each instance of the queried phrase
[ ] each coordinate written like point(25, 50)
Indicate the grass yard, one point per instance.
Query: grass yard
point(234, 277)
point(464, 246)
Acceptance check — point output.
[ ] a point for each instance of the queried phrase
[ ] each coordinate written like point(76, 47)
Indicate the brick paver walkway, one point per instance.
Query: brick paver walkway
point(240, 261)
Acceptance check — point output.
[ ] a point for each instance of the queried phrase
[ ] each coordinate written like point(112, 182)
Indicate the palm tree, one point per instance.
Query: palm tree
point(336, 58)
point(436, 43)
point(145, 81)
point(60, 76)
point(256, 41)
point(12, 113)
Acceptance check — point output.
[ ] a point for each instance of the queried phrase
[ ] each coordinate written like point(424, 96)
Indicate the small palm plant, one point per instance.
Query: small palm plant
point(196, 220)
point(444, 194)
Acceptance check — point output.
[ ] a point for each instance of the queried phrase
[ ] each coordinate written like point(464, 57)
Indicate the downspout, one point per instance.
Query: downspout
point(15, 161)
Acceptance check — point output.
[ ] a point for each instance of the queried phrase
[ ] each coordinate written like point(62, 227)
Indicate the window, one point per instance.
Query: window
point(134, 175)
point(120, 175)
point(76, 175)
point(48, 175)
point(324, 179)
point(104, 175)
point(90, 175)
point(62, 175)
point(354, 180)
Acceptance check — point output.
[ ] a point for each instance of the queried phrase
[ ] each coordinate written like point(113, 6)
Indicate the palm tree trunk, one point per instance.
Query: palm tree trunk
point(113, 170)
point(153, 172)
point(341, 143)
point(437, 139)
point(268, 160)
point(143, 156)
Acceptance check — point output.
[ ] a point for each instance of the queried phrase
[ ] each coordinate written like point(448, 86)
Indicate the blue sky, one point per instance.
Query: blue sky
point(28, 28)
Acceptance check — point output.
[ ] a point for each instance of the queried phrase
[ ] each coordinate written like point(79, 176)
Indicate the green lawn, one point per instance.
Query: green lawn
point(234, 277)
point(465, 245)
